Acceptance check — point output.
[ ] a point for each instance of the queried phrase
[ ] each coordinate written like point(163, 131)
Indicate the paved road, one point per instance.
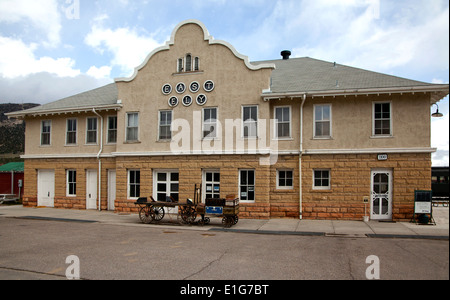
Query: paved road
point(34, 249)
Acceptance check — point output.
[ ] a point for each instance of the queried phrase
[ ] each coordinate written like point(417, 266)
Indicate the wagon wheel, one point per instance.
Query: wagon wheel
point(157, 213)
point(187, 215)
point(227, 222)
point(235, 219)
point(145, 214)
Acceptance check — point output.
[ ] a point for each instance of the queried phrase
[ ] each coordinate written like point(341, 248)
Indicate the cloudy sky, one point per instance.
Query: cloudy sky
point(50, 49)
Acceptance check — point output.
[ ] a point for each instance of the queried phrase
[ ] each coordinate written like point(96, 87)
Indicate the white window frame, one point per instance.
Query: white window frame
point(68, 183)
point(109, 130)
point(323, 121)
point(285, 187)
point(213, 182)
point(247, 185)
point(215, 123)
point(244, 122)
point(127, 138)
point(96, 131)
point(188, 63)
point(196, 64)
point(168, 182)
point(314, 180)
point(130, 183)
point(49, 133)
point(276, 122)
point(374, 119)
point(67, 132)
point(169, 125)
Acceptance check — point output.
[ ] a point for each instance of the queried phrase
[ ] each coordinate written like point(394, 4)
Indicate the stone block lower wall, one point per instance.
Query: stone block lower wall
point(350, 182)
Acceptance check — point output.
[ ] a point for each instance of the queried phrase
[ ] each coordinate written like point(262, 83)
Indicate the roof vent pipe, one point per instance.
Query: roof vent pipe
point(286, 54)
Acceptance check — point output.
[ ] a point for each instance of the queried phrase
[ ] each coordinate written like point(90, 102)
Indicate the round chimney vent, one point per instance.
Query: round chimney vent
point(286, 54)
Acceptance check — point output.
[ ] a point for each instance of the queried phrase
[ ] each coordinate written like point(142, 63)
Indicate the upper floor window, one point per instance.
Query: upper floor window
point(112, 129)
point(165, 124)
point(46, 129)
point(382, 124)
point(188, 63)
point(71, 135)
point(322, 121)
point(210, 122)
point(250, 119)
point(132, 127)
point(283, 122)
point(91, 131)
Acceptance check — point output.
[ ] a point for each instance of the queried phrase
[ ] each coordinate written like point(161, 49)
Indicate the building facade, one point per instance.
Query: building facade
point(292, 138)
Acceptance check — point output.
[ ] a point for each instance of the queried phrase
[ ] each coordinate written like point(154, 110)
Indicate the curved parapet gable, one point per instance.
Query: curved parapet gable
point(207, 37)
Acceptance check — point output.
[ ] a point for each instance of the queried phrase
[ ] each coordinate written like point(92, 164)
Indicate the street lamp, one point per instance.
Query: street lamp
point(437, 114)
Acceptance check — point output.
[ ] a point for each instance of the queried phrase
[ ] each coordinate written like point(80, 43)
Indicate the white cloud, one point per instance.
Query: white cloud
point(128, 47)
point(99, 73)
point(18, 59)
point(42, 14)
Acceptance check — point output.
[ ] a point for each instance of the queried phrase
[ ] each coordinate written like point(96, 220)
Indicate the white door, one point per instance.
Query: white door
point(381, 200)
point(46, 188)
point(91, 189)
point(111, 189)
point(211, 184)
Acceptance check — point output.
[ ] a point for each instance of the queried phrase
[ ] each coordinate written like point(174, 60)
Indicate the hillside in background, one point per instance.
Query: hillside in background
point(12, 132)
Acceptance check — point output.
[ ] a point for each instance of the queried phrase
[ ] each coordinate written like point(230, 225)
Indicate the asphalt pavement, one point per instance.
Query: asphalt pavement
point(330, 228)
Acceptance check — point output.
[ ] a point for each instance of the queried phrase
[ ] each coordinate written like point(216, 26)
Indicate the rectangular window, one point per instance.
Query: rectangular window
point(322, 121)
point(46, 129)
point(285, 179)
point(91, 131)
point(247, 185)
point(209, 122)
point(134, 183)
point(283, 122)
point(165, 125)
point(250, 119)
point(167, 185)
point(112, 130)
point(71, 135)
point(71, 183)
point(211, 184)
point(321, 179)
point(382, 119)
point(132, 126)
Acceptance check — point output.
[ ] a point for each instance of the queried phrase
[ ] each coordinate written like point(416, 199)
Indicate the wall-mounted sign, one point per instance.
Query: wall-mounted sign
point(383, 157)
point(181, 88)
point(187, 100)
point(201, 99)
point(209, 86)
point(173, 101)
point(167, 89)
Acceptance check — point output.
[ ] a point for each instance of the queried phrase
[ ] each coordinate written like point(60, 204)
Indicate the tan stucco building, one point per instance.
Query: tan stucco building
point(293, 137)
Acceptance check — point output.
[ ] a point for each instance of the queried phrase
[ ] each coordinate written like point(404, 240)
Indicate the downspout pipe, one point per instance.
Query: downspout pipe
point(99, 161)
point(300, 158)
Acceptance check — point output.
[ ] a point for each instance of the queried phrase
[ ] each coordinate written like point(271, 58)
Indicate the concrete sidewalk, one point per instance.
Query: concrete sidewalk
point(274, 226)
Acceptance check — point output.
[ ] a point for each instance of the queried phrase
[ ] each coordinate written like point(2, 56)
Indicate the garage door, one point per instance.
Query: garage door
point(46, 188)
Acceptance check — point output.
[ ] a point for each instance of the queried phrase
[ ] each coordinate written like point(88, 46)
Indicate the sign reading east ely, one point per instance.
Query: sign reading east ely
point(187, 100)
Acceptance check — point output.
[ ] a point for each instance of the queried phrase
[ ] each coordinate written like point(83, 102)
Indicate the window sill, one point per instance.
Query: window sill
point(132, 142)
point(322, 138)
point(381, 137)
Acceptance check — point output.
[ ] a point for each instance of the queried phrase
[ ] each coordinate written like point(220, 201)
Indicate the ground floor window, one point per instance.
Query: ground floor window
point(321, 179)
point(211, 184)
point(247, 185)
point(285, 179)
point(166, 185)
point(71, 183)
point(134, 183)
